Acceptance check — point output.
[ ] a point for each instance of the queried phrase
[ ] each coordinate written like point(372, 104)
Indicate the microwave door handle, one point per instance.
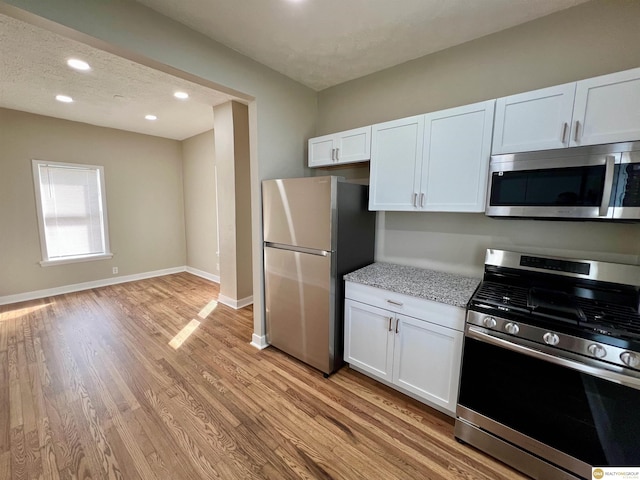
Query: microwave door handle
point(610, 161)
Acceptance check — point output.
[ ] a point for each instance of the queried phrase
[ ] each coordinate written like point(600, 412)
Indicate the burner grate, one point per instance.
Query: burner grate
point(501, 295)
point(614, 320)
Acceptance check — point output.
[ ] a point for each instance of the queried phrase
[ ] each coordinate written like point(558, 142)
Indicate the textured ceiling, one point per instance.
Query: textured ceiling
point(116, 93)
point(322, 43)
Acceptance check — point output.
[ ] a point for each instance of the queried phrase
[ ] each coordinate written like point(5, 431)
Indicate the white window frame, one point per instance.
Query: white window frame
point(46, 261)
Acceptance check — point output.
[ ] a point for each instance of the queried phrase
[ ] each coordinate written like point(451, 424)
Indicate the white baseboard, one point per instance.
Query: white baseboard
point(259, 342)
point(236, 304)
point(203, 274)
point(49, 292)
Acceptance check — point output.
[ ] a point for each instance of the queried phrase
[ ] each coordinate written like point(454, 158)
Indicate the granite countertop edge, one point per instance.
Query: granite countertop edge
point(442, 287)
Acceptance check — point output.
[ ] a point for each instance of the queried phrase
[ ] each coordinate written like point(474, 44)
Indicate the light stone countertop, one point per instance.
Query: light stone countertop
point(432, 285)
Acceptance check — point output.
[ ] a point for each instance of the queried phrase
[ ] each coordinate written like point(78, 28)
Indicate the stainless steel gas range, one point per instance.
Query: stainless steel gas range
point(550, 380)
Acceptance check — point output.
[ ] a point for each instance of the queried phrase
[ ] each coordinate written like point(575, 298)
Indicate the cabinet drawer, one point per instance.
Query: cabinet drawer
point(434, 312)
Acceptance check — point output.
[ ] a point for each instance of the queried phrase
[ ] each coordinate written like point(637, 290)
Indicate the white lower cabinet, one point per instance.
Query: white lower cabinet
point(414, 355)
point(369, 339)
point(426, 360)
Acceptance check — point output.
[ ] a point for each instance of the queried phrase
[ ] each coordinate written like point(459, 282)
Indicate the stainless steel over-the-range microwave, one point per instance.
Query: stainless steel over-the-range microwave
point(600, 182)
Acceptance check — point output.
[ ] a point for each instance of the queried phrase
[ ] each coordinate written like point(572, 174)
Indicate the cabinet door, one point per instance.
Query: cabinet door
point(427, 361)
point(538, 120)
point(396, 162)
point(607, 109)
point(321, 151)
point(353, 145)
point(457, 148)
point(368, 338)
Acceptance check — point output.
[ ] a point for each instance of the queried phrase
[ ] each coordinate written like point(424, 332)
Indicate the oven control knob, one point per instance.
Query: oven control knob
point(551, 338)
point(630, 359)
point(512, 328)
point(596, 350)
point(489, 322)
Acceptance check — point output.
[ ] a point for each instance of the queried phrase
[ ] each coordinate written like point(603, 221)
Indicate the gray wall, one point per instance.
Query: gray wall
point(594, 38)
point(200, 202)
point(231, 126)
point(143, 181)
point(591, 39)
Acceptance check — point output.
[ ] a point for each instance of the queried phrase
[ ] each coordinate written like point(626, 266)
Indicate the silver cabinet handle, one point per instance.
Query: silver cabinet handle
point(333, 154)
point(565, 125)
point(397, 326)
point(415, 198)
point(399, 304)
point(337, 154)
point(608, 185)
point(390, 320)
point(422, 200)
point(575, 136)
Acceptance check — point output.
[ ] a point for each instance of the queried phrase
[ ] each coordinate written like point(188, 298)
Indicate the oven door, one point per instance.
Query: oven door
point(572, 414)
point(528, 185)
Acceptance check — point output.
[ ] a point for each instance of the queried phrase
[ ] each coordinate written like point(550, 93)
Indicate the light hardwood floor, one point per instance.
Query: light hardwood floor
point(91, 386)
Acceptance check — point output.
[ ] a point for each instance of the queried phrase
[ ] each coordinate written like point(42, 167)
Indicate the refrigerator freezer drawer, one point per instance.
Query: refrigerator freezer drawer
point(298, 300)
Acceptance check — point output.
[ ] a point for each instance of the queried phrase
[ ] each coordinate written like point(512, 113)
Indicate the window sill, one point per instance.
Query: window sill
point(84, 258)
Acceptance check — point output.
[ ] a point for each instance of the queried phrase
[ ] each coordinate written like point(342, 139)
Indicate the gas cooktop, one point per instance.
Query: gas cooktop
point(588, 307)
point(552, 306)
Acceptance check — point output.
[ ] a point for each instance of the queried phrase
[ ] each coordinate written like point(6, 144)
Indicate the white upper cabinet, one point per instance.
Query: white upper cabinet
point(433, 162)
point(537, 120)
point(603, 109)
point(457, 148)
point(340, 148)
point(607, 109)
point(396, 163)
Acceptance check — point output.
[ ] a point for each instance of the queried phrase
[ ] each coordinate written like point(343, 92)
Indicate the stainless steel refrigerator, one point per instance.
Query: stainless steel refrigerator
point(316, 229)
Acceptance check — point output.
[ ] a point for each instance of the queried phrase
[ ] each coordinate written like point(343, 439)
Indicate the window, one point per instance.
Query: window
point(72, 212)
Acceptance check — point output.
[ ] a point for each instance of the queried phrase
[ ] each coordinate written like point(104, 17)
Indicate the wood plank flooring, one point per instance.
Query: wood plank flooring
point(154, 380)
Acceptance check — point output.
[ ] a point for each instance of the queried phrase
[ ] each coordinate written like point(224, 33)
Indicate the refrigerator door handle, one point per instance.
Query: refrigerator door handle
point(310, 251)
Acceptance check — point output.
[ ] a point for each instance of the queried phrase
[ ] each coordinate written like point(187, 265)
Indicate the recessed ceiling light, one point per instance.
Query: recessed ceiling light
point(64, 98)
point(78, 64)
point(181, 95)
point(150, 117)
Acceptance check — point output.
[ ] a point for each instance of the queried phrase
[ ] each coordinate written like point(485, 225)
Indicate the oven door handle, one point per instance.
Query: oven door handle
point(478, 334)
